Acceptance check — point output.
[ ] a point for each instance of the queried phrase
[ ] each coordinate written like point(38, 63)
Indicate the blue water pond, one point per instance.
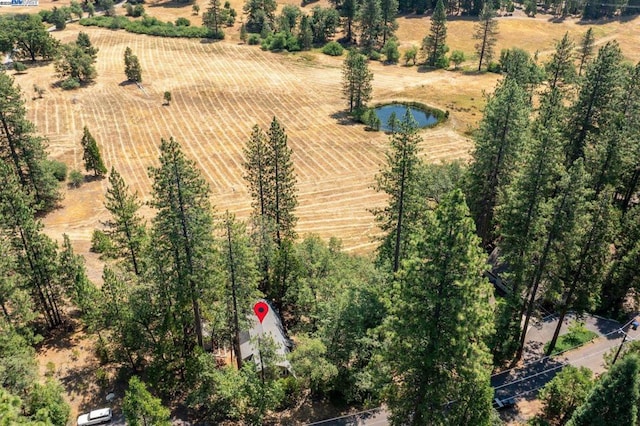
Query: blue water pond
point(423, 118)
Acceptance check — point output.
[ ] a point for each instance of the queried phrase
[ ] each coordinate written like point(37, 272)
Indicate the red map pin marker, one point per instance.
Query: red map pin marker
point(261, 309)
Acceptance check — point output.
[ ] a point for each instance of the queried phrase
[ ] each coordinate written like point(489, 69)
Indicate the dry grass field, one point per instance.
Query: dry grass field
point(220, 90)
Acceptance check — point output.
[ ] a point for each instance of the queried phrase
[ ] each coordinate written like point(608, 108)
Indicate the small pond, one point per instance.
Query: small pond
point(422, 117)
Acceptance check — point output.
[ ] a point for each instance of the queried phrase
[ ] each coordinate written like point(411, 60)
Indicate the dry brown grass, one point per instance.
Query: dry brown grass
point(220, 90)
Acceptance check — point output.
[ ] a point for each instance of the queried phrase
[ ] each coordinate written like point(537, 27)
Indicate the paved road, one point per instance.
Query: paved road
point(374, 417)
point(537, 369)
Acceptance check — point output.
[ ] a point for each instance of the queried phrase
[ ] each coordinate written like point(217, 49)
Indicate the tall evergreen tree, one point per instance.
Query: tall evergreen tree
point(132, 68)
point(631, 130)
point(521, 214)
point(36, 256)
point(597, 101)
point(560, 68)
point(369, 18)
point(567, 208)
point(23, 150)
point(212, 17)
point(614, 399)
point(433, 45)
point(241, 291)
point(183, 242)
point(580, 260)
point(486, 32)
point(356, 81)
point(624, 272)
point(389, 9)
point(399, 180)
point(141, 408)
point(498, 143)
point(126, 227)
point(91, 154)
point(73, 277)
point(283, 184)
point(585, 52)
point(441, 369)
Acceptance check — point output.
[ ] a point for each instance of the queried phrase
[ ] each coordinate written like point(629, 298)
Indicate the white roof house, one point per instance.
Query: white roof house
point(271, 327)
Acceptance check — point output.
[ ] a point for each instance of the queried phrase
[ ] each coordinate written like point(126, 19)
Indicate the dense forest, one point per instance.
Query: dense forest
point(551, 190)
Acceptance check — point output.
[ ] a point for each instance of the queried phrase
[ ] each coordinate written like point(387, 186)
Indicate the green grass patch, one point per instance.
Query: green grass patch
point(578, 335)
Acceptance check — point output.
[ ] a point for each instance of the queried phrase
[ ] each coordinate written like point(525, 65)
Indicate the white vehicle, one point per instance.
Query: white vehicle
point(95, 417)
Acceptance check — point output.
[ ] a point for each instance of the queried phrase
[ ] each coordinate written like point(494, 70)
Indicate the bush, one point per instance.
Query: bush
point(333, 48)
point(135, 11)
point(494, 67)
point(253, 39)
point(58, 169)
point(457, 57)
point(183, 22)
point(375, 56)
point(76, 178)
point(391, 52)
point(152, 26)
point(101, 243)
point(19, 67)
point(70, 83)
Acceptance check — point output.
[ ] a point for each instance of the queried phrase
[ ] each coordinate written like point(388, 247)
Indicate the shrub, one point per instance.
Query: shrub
point(333, 48)
point(183, 22)
point(253, 39)
point(411, 55)
point(101, 243)
point(375, 56)
point(494, 67)
point(58, 169)
point(167, 97)
point(391, 52)
point(70, 83)
point(76, 178)
point(457, 57)
point(19, 67)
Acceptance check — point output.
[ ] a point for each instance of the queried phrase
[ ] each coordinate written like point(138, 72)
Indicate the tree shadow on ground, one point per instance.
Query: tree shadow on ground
point(343, 118)
point(60, 337)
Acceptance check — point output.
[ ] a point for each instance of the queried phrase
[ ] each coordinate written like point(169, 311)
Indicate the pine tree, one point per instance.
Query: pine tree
point(566, 209)
point(35, 252)
point(182, 242)
point(441, 369)
point(614, 399)
point(91, 154)
point(521, 215)
point(585, 52)
point(126, 228)
point(599, 95)
point(23, 150)
point(369, 18)
point(212, 18)
point(73, 276)
point(486, 31)
point(141, 408)
point(560, 68)
point(132, 68)
point(283, 184)
point(498, 143)
point(434, 44)
point(631, 114)
point(580, 259)
point(399, 180)
point(389, 9)
point(239, 264)
point(356, 81)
